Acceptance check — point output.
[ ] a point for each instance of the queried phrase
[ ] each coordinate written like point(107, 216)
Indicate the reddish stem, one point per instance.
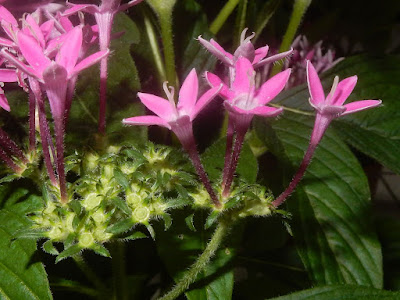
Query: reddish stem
point(32, 125)
point(10, 146)
point(228, 151)
point(10, 163)
point(59, 132)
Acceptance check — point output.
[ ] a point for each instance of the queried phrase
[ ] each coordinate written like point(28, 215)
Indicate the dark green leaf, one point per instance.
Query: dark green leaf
point(101, 250)
point(135, 236)
point(331, 213)
point(49, 248)
point(20, 277)
point(70, 251)
point(120, 226)
point(350, 292)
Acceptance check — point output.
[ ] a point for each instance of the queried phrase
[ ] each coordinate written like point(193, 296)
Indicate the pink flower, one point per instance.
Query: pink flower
point(332, 106)
point(175, 117)
point(246, 49)
point(242, 99)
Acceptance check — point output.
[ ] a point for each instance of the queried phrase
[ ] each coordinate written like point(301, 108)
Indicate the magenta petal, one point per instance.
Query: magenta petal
point(7, 16)
point(158, 105)
point(188, 93)
point(272, 87)
point(360, 105)
point(343, 90)
point(216, 50)
point(66, 23)
point(266, 111)
point(88, 62)
point(19, 65)
point(34, 30)
point(314, 85)
point(32, 52)
point(146, 120)
point(260, 53)
point(204, 100)
point(272, 58)
point(70, 49)
point(214, 81)
point(90, 8)
point(46, 28)
point(6, 42)
point(8, 75)
point(243, 76)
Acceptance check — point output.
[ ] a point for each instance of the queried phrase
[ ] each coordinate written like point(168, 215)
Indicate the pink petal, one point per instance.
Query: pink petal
point(66, 23)
point(272, 58)
point(188, 93)
point(32, 52)
point(6, 42)
point(360, 105)
point(89, 8)
point(243, 76)
point(272, 87)
point(158, 105)
point(70, 49)
point(8, 75)
point(314, 85)
point(260, 53)
point(216, 50)
point(33, 29)
point(7, 16)
point(88, 62)
point(19, 65)
point(46, 28)
point(214, 81)
point(343, 90)
point(264, 111)
point(146, 120)
point(204, 100)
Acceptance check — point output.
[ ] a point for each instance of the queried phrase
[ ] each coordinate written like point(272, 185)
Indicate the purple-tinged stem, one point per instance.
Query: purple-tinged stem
point(59, 132)
point(185, 135)
point(10, 146)
point(228, 151)
point(321, 124)
point(70, 96)
point(32, 125)
point(104, 21)
point(240, 133)
point(45, 136)
point(10, 163)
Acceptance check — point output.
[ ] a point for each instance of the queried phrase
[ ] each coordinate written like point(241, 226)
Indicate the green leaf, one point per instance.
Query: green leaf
point(331, 209)
point(20, 277)
point(214, 156)
point(217, 281)
point(70, 251)
point(121, 226)
point(101, 250)
point(349, 292)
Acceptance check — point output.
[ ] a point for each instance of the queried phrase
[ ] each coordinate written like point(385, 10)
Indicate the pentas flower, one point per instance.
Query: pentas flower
point(246, 49)
point(179, 118)
point(328, 108)
point(104, 15)
point(243, 101)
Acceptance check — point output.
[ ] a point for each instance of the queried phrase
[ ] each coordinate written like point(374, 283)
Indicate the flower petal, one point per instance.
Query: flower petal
point(360, 105)
point(7, 16)
point(19, 65)
point(214, 81)
point(260, 53)
point(8, 75)
point(70, 49)
point(343, 90)
point(243, 76)
point(264, 111)
point(272, 58)
point(314, 85)
point(204, 100)
point(32, 28)
point(89, 8)
point(88, 62)
point(3, 101)
point(6, 43)
point(216, 50)
point(272, 87)
point(158, 105)
point(32, 52)
point(146, 121)
point(188, 93)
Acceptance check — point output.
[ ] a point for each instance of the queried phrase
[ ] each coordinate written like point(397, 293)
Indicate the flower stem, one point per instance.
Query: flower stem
point(299, 9)
point(190, 276)
point(320, 126)
point(228, 151)
point(7, 143)
point(9, 162)
point(59, 132)
point(169, 53)
point(234, 161)
point(223, 15)
point(121, 291)
point(32, 125)
point(89, 274)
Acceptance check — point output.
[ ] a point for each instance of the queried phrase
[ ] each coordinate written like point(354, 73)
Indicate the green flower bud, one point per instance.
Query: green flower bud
point(86, 240)
point(91, 201)
point(141, 214)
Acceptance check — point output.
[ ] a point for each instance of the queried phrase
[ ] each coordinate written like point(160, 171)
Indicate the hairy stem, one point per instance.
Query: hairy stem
point(32, 125)
point(120, 285)
point(59, 132)
point(299, 9)
point(223, 15)
point(9, 162)
point(228, 151)
point(190, 276)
